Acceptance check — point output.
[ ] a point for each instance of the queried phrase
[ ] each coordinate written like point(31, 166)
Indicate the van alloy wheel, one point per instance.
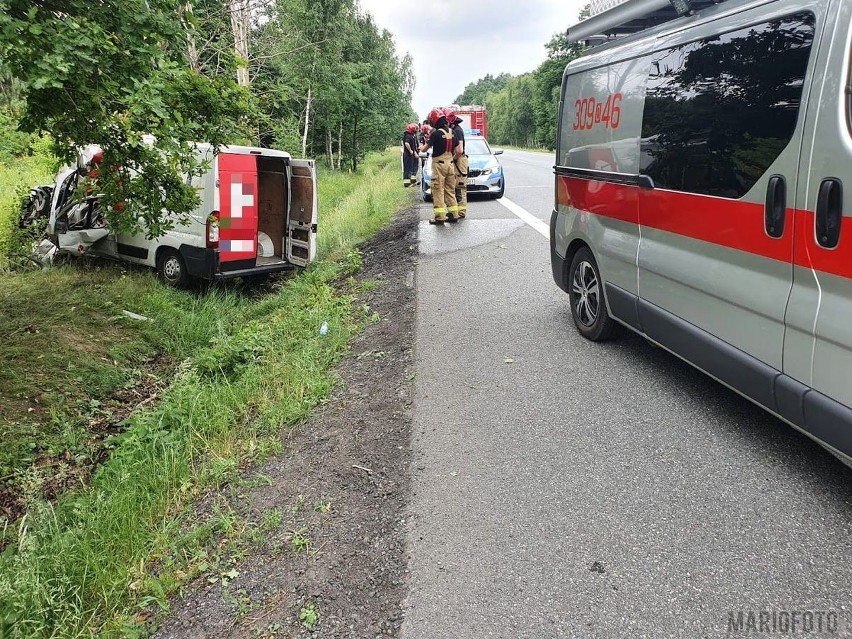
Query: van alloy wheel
point(588, 304)
point(586, 289)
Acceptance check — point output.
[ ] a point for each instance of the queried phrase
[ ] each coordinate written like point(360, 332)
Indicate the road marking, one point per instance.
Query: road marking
point(526, 217)
point(530, 163)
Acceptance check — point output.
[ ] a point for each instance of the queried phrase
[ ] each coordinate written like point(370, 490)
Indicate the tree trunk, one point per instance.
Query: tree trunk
point(329, 153)
point(307, 125)
point(240, 23)
point(355, 143)
point(191, 50)
point(340, 146)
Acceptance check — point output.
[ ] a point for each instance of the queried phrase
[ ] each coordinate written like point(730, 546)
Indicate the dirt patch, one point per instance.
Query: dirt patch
point(329, 513)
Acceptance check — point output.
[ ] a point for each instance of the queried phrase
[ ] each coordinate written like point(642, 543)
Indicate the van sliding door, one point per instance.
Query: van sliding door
point(818, 343)
point(721, 138)
point(302, 222)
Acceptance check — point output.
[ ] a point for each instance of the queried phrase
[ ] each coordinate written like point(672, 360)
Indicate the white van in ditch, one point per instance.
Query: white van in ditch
point(257, 215)
point(700, 195)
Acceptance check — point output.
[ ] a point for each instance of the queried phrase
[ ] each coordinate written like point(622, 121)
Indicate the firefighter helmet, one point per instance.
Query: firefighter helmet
point(435, 115)
point(451, 115)
point(411, 128)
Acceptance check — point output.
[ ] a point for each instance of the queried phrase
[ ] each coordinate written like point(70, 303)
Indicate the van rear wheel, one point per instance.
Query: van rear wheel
point(588, 304)
point(172, 269)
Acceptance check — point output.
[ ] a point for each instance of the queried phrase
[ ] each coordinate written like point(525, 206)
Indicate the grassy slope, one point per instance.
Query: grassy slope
point(248, 368)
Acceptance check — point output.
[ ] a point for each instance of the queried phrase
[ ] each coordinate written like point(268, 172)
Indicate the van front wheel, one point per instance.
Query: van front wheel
point(172, 269)
point(588, 305)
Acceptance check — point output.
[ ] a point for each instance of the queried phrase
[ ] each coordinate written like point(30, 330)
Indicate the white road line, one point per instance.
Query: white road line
point(548, 164)
point(526, 217)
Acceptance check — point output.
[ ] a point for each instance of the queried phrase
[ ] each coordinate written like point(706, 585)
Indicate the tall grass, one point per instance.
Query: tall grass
point(80, 567)
point(16, 178)
point(359, 213)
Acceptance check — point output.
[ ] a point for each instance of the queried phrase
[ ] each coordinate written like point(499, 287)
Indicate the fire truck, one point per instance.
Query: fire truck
point(475, 118)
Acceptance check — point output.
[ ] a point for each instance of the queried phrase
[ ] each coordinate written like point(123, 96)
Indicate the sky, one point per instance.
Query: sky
point(456, 43)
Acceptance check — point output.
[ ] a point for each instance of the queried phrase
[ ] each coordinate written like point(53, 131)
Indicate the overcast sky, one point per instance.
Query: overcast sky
point(456, 43)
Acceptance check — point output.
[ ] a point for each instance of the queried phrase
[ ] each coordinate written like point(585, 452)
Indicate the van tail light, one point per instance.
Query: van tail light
point(213, 230)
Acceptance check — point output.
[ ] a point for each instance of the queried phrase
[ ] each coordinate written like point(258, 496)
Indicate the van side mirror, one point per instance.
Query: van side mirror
point(497, 151)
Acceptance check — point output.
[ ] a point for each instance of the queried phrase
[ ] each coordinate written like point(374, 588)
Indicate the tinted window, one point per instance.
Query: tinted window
point(718, 112)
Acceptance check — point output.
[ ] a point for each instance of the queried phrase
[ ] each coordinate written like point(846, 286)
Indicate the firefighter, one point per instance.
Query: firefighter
point(409, 156)
point(423, 133)
point(423, 137)
point(452, 216)
point(443, 172)
point(460, 162)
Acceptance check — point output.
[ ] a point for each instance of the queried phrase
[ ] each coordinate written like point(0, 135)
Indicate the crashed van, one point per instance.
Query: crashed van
point(257, 215)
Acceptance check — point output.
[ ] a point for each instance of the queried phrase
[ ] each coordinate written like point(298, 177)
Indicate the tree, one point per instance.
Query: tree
point(109, 72)
point(328, 77)
point(476, 92)
point(548, 83)
point(510, 115)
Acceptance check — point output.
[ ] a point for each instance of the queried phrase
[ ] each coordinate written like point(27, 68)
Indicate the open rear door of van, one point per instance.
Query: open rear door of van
point(302, 224)
point(237, 210)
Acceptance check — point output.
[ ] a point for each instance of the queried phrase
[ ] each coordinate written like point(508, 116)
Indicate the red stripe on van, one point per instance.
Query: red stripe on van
point(601, 198)
point(731, 223)
point(809, 254)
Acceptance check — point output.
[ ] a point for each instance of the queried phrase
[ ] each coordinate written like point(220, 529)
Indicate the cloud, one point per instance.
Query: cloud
point(454, 43)
point(451, 21)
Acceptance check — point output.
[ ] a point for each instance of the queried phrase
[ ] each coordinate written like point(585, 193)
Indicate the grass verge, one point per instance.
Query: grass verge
point(533, 149)
point(80, 565)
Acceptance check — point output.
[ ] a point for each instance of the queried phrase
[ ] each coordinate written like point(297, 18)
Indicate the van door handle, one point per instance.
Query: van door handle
point(829, 212)
point(776, 206)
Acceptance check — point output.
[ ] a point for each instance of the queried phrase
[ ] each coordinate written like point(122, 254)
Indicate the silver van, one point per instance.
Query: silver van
point(700, 196)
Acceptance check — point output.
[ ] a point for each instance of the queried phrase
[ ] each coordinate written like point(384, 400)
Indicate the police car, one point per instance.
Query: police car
point(485, 175)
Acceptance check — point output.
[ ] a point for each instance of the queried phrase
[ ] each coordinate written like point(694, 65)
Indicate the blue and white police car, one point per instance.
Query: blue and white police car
point(485, 173)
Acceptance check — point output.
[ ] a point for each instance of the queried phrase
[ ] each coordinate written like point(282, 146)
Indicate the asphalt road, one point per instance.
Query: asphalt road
point(570, 489)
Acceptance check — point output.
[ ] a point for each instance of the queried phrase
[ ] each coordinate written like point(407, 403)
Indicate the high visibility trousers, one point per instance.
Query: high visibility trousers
point(461, 184)
point(443, 187)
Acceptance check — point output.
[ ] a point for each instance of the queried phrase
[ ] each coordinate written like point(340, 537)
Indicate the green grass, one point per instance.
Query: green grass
point(16, 179)
point(72, 358)
point(523, 148)
point(239, 369)
point(357, 213)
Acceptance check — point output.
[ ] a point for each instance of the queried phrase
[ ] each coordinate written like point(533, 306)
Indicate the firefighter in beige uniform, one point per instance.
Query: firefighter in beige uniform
point(460, 162)
point(443, 171)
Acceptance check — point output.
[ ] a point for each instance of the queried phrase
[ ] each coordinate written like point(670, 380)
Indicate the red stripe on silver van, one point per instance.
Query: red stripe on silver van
point(731, 223)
